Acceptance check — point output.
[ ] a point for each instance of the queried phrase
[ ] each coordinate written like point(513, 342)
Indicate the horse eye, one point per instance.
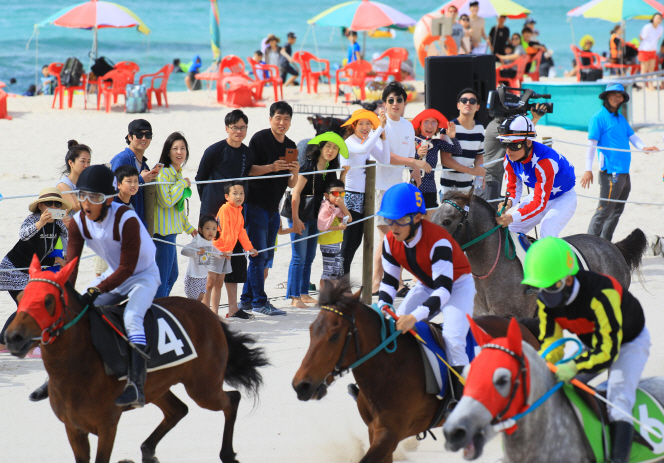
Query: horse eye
point(501, 381)
point(334, 337)
point(49, 299)
point(447, 222)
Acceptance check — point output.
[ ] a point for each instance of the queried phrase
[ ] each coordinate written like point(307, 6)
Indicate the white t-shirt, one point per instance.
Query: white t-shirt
point(198, 265)
point(358, 155)
point(401, 139)
point(650, 37)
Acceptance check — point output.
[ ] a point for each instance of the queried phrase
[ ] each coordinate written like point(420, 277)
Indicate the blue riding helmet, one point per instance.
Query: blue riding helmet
point(615, 88)
point(400, 200)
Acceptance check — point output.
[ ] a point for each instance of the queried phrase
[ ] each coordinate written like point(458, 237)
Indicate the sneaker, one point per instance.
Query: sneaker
point(242, 315)
point(269, 309)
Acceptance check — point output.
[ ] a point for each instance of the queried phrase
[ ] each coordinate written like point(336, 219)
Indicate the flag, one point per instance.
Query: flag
point(215, 32)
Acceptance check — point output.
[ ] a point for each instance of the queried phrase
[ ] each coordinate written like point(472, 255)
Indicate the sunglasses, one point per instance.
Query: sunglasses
point(512, 146)
point(337, 193)
point(94, 198)
point(402, 222)
point(141, 135)
point(56, 204)
point(391, 100)
point(468, 100)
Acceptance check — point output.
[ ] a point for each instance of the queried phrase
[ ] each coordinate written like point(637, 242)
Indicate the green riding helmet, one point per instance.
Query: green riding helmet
point(548, 261)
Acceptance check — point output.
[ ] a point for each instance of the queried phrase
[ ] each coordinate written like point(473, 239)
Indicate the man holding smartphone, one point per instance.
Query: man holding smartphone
point(138, 138)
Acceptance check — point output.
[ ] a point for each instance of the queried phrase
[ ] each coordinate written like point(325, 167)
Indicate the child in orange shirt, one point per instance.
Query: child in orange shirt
point(231, 229)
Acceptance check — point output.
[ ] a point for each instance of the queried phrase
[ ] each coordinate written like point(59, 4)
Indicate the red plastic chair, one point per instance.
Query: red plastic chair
point(396, 56)
point(128, 66)
point(514, 82)
point(55, 69)
point(112, 84)
point(236, 67)
point(163, 74)
point(534, 63)
point(304, 59)
point(595, 60)
point(355, 75)
point(3, 103)
point(272, 73)
point(240, 93)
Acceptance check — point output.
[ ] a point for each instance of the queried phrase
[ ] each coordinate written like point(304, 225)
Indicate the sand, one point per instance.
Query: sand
point(278, 428)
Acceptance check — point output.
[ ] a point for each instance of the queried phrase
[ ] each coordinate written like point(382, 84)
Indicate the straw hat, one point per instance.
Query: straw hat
point(426, 114)
point(272, 37)
point(48, 194)
point(363, 114)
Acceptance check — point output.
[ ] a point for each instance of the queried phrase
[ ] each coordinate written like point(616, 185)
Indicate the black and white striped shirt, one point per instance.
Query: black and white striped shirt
point(472, 145)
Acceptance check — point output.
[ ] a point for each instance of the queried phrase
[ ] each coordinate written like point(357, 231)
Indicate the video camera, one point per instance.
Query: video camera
point(502, 103)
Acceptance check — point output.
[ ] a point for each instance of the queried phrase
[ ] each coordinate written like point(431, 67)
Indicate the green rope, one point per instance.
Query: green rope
point(75, 320)
point(508, 238)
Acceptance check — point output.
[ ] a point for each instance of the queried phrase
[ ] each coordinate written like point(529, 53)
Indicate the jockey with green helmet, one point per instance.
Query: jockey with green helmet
point(444, 282)
point(607, 318)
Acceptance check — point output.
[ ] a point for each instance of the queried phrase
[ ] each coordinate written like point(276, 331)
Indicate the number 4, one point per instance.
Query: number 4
point(167, 339)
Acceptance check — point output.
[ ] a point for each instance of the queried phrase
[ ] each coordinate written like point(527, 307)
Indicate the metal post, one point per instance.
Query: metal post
point(149, 206)
point(368, 253)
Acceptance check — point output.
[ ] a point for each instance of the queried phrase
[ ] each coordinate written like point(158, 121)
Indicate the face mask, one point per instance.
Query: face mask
point(555, 300)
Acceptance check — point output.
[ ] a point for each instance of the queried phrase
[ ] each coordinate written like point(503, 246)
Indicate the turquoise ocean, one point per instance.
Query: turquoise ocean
point(180, 29)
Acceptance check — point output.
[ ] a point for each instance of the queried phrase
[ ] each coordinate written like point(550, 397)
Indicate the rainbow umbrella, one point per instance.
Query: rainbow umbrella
point(618, 10)
point(95, 15)
point(490, 8)
point(363, 15)
point(215, 31)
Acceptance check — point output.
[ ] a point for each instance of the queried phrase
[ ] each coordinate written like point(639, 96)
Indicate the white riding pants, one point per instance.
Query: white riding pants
point(625, 374)
point(456, 325)
point(140, 289)
point(552, 220)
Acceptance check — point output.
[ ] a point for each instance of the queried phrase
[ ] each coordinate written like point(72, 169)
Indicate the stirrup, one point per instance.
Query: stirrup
point(130, 397)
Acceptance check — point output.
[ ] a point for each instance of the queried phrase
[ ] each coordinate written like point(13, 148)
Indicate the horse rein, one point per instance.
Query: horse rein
point(519, 381)
point(338, 371)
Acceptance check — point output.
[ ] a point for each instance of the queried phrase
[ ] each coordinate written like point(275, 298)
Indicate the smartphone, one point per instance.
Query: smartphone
point(291, 155)
point(158, 166)
point(346, 219)
point(57, 214)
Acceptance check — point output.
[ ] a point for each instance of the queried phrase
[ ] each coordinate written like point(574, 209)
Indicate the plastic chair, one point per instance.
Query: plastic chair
point(270, 75)
point(3, 103)
point(355, 75)
point(240, 93)
point(595, 60)
point(514, 82)
point(236, 67)
point(304, 59)
point(396, 56)
point(112, 84)
point(535, 62)
point(55, 69)
point(163, 74)
point(128, 66)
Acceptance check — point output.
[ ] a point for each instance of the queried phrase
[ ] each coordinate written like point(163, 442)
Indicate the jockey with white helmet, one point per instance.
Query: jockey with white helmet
point(552, 201)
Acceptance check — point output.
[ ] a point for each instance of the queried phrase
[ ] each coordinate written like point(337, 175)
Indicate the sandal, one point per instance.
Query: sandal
point(403, 291)
point(280, 286)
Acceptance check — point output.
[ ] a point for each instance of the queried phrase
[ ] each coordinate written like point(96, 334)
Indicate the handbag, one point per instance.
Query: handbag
point(307, 211)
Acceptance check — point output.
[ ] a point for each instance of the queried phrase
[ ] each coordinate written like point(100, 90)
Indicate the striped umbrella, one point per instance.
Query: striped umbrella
point(618, 10)
point(363, 15)
point(490, 8)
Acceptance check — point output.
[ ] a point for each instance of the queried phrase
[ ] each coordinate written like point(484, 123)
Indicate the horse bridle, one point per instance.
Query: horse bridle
point(56, 326)
point(520, 379)
point(338, 371)
point(464, 220)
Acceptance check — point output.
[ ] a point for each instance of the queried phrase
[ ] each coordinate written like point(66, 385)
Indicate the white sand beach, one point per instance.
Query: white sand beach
point(278, 428)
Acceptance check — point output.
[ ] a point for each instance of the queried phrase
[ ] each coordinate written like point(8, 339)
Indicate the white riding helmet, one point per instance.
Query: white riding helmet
point(516, 128)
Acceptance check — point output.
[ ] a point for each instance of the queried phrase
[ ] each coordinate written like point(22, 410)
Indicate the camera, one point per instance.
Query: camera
point(57, 214)
point(503, 102)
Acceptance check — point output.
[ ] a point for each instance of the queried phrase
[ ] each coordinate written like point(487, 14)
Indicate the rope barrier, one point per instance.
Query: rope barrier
point(43, 266)
point(601, 147)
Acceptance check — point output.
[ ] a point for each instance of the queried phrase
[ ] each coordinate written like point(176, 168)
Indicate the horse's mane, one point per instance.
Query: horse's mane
point(337, 293)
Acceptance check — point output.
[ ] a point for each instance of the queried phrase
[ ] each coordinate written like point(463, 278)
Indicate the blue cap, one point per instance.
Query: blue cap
point(615, 88)
point(400, 200)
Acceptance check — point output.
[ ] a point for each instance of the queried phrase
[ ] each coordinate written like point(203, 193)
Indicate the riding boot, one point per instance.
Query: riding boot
point(621, 433)
point(133, 394)
point(353, 390)
point(40, 393)
point(456, 386)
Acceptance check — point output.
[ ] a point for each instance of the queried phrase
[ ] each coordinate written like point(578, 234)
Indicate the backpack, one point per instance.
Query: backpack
point(137, 99)
point(102, 66)
point(71, 73)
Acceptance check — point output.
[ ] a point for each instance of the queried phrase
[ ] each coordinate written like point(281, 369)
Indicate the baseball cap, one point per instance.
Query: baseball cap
point(291, 35)
point(139, 125)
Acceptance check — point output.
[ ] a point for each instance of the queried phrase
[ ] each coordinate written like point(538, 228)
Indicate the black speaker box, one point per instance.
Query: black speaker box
point(446, 76)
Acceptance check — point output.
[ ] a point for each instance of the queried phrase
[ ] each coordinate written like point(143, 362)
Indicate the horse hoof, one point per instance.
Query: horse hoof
point(126, 461)
point(229, 458)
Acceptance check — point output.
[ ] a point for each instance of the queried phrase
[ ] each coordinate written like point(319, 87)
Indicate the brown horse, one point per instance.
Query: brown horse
point(82, 395)
point(392, 400)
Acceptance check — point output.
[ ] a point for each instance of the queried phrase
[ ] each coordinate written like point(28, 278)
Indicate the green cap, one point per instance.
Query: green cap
point(333, 138)
point(548, 261)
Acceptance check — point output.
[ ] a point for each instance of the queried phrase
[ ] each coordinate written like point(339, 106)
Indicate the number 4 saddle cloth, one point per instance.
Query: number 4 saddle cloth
point(168, 343)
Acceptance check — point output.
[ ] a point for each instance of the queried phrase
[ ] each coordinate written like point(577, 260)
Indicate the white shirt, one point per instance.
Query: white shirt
point(358, 155)
point(195, 268)
point(650, 36)
point(401, 140)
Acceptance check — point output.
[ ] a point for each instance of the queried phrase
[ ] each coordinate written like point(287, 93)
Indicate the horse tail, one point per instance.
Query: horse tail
point(243, 361)
point(633, 248)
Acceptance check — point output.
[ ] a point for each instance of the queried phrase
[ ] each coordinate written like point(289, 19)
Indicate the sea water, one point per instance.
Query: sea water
point(180, 29)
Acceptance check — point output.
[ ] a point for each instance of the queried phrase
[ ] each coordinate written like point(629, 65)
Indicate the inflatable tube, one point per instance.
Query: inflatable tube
point(422, 37)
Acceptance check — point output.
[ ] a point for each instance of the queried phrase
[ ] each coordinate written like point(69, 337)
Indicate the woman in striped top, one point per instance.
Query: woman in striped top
point(170, 217)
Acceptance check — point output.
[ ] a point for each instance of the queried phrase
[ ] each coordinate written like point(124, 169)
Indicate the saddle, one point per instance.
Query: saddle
point(168, 343)
point(525, 241)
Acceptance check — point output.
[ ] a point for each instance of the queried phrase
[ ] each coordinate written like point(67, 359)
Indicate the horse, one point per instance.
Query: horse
point(82, 395)
point(392, 397)
point(494, 390)
point(498, 278)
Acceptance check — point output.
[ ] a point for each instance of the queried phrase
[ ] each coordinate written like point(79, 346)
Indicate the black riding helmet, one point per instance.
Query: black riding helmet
point(97, 179)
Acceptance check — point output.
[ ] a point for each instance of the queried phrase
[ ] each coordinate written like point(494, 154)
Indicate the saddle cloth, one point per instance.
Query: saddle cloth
point(591, 414)
point(433, 350)
point(523, 242)
point(168, 343)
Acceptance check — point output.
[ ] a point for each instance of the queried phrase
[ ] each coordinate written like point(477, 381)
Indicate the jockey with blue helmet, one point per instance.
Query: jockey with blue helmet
point(430, 253)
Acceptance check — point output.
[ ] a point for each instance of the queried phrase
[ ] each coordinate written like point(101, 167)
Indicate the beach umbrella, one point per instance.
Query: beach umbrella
point(363, 15)
point(490, 8)
point(215, 31)
point(617, 10)
point(95, 15)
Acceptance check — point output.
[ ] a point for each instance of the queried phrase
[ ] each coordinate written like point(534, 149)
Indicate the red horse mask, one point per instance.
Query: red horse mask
point(479, 384)
point(38, 288)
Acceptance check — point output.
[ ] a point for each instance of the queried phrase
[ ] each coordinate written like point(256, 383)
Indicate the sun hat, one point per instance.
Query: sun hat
point(548, 261)
point(400, 200)
point(615, 88)
point(332, 138)
point(516, 128)
point(426, 114)
point(363, 114)
point(584, 39)
point(48, 194)
point(272, 37)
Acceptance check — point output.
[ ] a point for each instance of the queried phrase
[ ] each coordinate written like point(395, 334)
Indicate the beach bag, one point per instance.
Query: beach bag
point(309, 205)
point(71, 73)
point(137, 99)
point(591, 75)
point(102, 66)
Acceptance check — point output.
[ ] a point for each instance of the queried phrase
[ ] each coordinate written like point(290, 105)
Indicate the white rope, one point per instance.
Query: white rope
point(43, 266)
point(601, 147)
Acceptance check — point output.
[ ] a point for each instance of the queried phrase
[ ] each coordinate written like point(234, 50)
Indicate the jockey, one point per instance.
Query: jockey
point(115, 233)
point(430, 253)
point(553, 200)
point(608, 320)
